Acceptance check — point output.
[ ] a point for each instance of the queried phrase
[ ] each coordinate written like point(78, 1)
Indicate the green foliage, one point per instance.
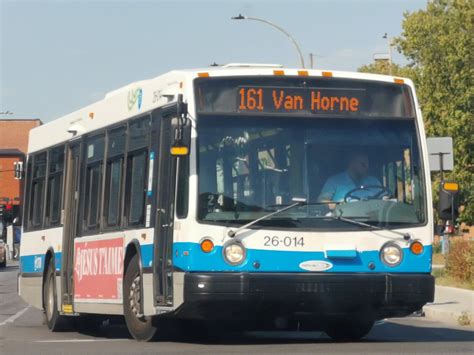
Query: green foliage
point(439, 42)
point(460, 260)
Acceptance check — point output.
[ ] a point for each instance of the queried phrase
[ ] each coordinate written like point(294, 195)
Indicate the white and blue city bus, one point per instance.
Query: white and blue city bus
point(225, 195)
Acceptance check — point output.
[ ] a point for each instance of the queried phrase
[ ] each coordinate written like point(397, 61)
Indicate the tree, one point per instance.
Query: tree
point(439, 43)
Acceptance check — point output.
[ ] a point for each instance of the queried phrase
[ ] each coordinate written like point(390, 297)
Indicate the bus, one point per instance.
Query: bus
point(244, 195)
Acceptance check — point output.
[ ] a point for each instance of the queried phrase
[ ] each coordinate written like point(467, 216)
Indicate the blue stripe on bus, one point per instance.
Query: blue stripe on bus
point(35, 263)
point(189, 257)
point(269, 260)
point(147, 255)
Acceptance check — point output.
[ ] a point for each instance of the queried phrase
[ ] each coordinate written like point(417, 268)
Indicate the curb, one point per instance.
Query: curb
point(461, 315)
point(447, 316)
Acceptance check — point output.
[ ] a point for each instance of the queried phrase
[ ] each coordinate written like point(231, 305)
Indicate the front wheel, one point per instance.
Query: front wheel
point(349, 329)
point(53, 320)
point(140, 327)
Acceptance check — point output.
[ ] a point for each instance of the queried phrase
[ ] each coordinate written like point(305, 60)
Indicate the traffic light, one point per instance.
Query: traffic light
point(18, 168)
point(448, 202)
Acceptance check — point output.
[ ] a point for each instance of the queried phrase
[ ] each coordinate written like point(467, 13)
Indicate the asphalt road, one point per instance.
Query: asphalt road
point(22, 332)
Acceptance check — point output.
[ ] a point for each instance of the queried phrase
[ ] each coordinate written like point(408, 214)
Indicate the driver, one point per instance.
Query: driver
point(356, 176)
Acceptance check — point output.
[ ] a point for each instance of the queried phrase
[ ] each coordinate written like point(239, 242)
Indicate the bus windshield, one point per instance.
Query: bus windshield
point(363, 169)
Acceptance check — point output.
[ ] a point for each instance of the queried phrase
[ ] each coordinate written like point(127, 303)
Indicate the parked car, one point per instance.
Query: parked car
point(3, 254)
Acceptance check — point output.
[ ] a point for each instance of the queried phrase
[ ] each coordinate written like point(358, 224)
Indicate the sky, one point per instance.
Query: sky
point(57, 56)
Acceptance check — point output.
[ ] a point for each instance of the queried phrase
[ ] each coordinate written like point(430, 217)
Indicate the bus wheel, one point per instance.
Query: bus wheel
point(139, 326)
point(53, 320)
point(349, 329)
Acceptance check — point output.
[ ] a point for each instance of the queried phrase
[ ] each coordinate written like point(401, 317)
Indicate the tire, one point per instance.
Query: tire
point(53, 320)
point(349, 329)
point(4, 262)
point(141, 327)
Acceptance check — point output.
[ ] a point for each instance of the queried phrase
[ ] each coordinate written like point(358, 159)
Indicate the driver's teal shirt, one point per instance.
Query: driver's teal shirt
point(337, 186)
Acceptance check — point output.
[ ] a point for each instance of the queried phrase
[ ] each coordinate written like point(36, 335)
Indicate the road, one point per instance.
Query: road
point(22, 332)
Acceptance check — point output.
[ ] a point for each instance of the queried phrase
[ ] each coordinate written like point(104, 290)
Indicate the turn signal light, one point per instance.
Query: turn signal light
point(416, 248)
point(207, 245)
point(179, 150)
point(451, 186)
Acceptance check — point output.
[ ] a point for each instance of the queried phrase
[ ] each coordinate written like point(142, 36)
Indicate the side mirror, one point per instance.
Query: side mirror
point(182, 130)
point(448, 202)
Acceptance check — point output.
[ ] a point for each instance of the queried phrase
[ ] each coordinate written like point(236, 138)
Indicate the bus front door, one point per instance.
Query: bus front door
point(71, 220)
point(165, 187)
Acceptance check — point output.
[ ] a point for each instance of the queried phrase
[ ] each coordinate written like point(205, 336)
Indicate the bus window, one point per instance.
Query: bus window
point(115, 159)
point(137, 166)
point(183, 187)
point(136, 187)
point(94, 171)
point(55, 184)
point(37, 190)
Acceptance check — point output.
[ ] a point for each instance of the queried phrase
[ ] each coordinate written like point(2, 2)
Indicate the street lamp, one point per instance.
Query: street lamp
point(240, 17)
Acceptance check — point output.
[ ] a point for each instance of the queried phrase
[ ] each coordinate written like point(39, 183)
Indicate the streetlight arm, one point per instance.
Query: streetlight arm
point(240, 17)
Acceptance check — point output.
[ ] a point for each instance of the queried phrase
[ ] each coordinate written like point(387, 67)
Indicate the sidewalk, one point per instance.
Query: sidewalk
point(450, 304)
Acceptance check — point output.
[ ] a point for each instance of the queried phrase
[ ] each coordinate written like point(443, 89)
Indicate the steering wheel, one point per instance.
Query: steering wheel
point(383, 190)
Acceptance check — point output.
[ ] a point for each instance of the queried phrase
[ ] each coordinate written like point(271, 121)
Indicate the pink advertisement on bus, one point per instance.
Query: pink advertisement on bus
point(98, 270)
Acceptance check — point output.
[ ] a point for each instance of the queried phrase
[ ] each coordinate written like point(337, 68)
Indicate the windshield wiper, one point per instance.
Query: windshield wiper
point(406, 236)
point(298, 202)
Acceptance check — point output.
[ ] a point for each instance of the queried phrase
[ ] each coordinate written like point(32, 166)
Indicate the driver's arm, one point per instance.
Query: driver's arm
point(327, 193)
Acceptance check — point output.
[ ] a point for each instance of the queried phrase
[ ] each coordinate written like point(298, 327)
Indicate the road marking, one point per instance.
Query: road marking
point(15, 316)
point(77, 340)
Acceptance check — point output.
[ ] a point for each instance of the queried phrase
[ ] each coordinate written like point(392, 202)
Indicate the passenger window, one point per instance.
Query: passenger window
point(94, 171)
point(183, 187)
point(137, 168)
point(115, 159)
point(136, 186)
point(37, 190)
point(55, 184)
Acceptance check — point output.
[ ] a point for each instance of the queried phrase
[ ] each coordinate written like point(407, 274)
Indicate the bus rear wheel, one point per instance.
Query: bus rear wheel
point(349, 329)
point(140, 327)
point(54, 321)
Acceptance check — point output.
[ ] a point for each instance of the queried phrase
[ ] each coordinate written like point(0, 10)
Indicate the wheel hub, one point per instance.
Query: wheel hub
point(134, 297)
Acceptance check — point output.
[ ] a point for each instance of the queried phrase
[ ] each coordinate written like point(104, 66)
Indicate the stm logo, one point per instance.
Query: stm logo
point(135, 97)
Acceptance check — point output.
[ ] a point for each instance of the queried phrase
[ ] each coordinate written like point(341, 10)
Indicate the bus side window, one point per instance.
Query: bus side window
point(183, 187)
point(26, 207)
point(137, 168)
point(37, 190)
point(94, 171)
point(54, 188)
point(136, 187)
point(114, 176)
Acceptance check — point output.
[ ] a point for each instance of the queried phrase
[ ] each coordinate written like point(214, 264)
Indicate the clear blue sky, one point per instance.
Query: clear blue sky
point(57, 56)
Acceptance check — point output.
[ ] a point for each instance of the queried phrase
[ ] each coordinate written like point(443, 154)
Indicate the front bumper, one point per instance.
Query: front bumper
point(218, 295)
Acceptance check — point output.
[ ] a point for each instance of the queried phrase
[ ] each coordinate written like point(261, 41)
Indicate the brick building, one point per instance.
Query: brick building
point(13, 147)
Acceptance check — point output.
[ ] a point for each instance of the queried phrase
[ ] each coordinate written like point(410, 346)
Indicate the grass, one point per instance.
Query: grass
point(439, 259)
point(442, 279)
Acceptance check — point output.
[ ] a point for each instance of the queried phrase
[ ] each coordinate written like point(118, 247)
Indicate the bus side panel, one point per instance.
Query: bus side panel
point(35, 246)
point(30, 289)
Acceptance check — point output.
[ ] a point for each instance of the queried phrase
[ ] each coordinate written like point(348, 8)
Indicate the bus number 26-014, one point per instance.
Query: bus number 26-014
point(277, 241)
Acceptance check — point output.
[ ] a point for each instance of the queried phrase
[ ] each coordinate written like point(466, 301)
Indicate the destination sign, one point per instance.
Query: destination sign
point(318, 97)
point(317, 100)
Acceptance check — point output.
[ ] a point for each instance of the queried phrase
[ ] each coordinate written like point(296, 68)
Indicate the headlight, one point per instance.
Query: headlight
point(391, 254)
point(234, 253)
